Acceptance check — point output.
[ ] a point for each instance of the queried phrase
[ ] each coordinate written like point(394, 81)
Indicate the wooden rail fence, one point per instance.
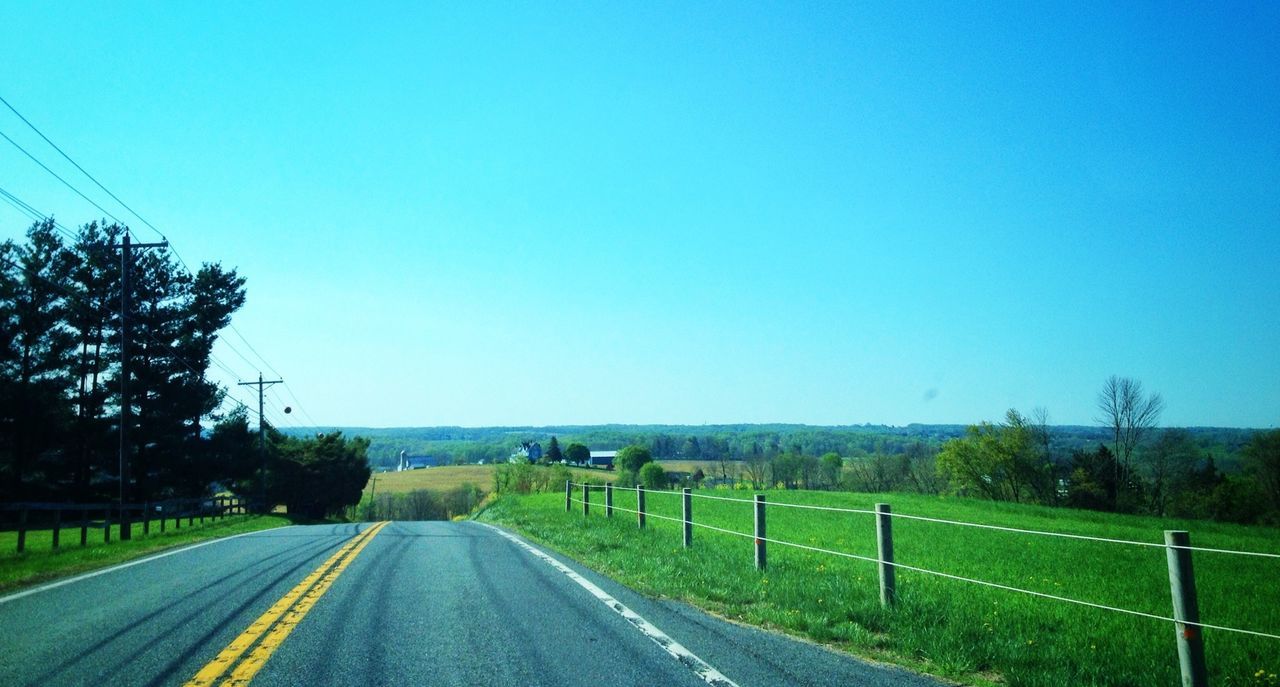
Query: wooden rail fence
point(86, 516)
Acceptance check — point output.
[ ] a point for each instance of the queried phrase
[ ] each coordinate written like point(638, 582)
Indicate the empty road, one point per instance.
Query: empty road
point(401, 603)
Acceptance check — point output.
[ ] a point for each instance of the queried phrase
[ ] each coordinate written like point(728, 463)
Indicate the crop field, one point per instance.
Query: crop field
point(448, 477)
point(956, 629)
point(710, 468)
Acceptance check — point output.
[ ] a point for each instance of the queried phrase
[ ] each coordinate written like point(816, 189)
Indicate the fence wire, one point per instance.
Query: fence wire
point(961, 523)
point(959, 578)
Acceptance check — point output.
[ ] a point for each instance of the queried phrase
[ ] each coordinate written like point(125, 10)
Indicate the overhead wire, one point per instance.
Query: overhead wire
point(172, 249)
point(926, 571)
point(59, 178)
point(74, 247)
point(76, 301)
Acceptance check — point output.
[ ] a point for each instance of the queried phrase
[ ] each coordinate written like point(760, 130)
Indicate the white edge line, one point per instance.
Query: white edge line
point(703, 669)
point(130, 564)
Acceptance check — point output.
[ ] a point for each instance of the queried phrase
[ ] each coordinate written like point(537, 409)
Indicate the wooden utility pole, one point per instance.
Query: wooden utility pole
point(126, 263)
point(262, 434)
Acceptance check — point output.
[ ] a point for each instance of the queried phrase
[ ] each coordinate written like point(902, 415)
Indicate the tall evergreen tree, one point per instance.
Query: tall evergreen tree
point(37, 365)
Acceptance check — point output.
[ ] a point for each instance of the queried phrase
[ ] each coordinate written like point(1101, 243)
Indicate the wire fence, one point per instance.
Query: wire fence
point(1175, 550)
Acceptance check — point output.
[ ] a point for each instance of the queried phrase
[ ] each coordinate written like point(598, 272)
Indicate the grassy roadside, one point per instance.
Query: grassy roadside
point(954, 629)
point(41, 563)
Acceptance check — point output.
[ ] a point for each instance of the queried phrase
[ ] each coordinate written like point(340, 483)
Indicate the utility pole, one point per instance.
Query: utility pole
point(262, 434)
point(126, 403)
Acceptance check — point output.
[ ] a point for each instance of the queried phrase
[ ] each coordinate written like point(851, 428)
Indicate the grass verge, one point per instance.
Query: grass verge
point(950, 628)
point(42, 563)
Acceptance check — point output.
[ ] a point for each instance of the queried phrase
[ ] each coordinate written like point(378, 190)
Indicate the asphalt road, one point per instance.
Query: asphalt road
point(411, 603)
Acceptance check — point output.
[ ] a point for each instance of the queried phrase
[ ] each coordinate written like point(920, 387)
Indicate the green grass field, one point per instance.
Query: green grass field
point(41, 562)
point(451, 476)
point(946, 627)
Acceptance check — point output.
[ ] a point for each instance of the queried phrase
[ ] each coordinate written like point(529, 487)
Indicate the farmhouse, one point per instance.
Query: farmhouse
point(602, 459)
point(408, 462)
point(527, 452)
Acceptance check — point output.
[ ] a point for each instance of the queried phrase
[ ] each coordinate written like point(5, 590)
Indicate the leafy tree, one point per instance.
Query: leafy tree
point(1097, 480)
point(233, 457)
point(1262, 459)
point(1000, 462)
point(320, 476)
point(578, 454)
point(553, 451)
point(1169, 463)
point(832, 464)
point(784, 469)
point(633, 457)
point(652, 476)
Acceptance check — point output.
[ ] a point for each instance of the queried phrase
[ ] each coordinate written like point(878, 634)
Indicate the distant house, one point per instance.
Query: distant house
point(527, 452)
point(602, 459)
point(408, 462)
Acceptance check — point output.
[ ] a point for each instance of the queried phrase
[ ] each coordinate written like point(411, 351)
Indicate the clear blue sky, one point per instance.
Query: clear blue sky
point(486, 214)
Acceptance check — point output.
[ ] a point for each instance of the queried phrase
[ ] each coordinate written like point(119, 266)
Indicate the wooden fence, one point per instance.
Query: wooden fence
point(56, 517)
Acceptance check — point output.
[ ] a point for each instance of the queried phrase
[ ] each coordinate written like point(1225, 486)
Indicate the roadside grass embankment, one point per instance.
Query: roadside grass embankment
point(42, 563)
point(955, 629)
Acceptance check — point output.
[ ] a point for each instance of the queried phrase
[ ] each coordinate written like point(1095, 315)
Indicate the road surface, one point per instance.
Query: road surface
point(402, 603)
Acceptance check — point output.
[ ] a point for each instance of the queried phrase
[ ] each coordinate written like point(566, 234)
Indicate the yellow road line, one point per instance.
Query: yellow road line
point(228, 656)
point(250, 666)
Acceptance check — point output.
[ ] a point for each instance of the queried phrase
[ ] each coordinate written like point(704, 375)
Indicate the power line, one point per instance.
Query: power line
point(55, 176)
point(172, 249)
point(117, 198)
point(75, 299)
point(82, 169)
point(74, 245)
point(25, 208)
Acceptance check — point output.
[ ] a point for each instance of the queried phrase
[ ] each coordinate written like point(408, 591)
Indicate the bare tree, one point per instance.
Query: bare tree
point(1127, 409)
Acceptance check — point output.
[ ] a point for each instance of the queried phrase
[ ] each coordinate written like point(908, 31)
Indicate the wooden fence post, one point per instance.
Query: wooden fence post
point(688, 518)
point(568, 496)
point(146, 517)
point(57, 527)
point(760, 533)
point(640, 505)
point(22, 530)
point(1186, 609)
point(586, 500)
point(163, 515)
point(884, 546)
point(608, 499)
point(84, 527)
point(106, 526)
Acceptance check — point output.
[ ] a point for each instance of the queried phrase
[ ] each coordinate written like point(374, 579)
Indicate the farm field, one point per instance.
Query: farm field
point(451, 476)
point(710, 468)
point(956, 629)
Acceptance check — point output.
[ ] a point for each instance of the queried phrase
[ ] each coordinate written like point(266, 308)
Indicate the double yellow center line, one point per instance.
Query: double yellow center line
point(275, 625)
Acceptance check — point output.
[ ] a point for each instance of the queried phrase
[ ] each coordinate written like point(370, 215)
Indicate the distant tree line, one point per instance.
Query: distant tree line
point(1142, 469)
point(60, 379)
